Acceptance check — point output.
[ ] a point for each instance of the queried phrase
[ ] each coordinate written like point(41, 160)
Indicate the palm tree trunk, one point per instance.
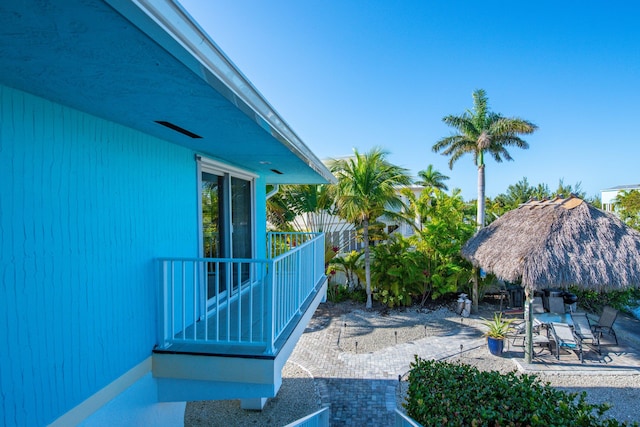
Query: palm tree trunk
point(367, 266)
point(480, 224)
point(481, 201)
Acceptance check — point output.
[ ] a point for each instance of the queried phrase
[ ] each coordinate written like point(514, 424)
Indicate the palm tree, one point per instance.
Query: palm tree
point(366, 187)
point(432, 178)
point(482, 131)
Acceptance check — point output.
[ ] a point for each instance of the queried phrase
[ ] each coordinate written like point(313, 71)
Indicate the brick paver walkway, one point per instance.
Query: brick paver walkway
point(360, 389)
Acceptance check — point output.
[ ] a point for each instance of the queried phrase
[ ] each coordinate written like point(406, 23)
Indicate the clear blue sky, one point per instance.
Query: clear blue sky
point(358, 74)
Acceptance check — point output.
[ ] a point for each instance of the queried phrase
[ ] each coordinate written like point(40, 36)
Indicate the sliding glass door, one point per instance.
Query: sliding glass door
point(227, 229)
point(241, 235)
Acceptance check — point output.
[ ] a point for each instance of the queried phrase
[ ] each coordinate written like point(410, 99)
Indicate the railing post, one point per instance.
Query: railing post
point(299, 281)
point(163, 320)
point(270, 314)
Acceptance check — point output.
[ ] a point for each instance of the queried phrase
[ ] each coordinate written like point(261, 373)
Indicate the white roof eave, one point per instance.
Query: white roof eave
point(192, 46)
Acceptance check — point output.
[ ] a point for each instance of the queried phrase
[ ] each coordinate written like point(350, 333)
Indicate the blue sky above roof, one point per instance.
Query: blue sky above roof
point(355, 74)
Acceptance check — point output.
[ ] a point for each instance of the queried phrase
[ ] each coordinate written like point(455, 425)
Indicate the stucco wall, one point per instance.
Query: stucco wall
point(85, 207)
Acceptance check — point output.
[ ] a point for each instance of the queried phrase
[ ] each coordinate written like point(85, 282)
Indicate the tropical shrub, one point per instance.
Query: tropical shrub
point(498, 326)
point(447, 228)
point(455, 394)
point(594, 301)
point(398, 272)
point(428, 264)
point(352, 265)
point(358, 295)
point(337, 292)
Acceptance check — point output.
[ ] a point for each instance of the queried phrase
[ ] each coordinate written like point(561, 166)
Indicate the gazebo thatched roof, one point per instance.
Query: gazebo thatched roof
point(557, 243)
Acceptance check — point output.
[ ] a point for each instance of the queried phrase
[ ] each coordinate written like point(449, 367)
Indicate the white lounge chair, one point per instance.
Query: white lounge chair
point(563, 336)
point(582, 328)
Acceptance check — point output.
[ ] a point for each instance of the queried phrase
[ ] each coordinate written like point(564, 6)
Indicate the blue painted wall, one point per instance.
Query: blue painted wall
point(86, 206)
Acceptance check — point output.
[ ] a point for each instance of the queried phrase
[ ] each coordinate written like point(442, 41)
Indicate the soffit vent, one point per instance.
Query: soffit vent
point(178, 129)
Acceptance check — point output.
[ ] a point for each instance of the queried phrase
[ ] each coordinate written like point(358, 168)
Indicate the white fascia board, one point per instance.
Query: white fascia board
point(175, 21)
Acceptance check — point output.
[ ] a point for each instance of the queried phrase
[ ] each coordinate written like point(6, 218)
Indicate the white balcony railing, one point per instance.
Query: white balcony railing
point(239, 306)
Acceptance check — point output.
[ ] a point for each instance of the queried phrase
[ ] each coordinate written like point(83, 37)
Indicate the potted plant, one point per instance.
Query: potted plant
point(497, 332)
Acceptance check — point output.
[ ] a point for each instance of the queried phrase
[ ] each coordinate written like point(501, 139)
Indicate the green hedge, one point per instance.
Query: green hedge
point(455, 394)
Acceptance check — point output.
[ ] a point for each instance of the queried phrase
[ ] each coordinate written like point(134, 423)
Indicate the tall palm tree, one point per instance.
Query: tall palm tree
point(482, 131)
point(366, 187)
point(431, 177)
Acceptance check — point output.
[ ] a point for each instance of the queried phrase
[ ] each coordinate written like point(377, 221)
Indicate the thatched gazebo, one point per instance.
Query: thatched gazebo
point(558, 243)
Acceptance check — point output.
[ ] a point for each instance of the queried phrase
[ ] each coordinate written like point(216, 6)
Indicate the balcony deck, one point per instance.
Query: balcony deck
point(249, 309)
point(226, 334)
point(229, 339)
point(235, 347)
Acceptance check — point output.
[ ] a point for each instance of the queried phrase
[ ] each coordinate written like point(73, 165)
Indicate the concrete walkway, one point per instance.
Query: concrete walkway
point(360, 389)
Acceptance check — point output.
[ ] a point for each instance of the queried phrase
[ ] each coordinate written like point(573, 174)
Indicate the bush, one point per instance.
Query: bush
point(358, 295)
point(402, 272)
point(594, 301)
point(455, 394)
point(337, 292)
point(398, 272)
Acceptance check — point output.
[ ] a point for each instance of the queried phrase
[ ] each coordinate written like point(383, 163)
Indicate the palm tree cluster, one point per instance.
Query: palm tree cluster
point(370, 187)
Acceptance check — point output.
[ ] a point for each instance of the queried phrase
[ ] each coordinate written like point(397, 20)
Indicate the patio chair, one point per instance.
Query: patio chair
point(537, 306)
point(556, 305)
point(582, 328)
point(605, 323)
point(518, 333)
point(563, 336)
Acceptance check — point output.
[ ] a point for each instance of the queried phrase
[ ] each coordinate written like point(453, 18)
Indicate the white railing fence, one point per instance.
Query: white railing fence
point(244, 303)
point(280, 242)
point(403, 420)
point(317, 419)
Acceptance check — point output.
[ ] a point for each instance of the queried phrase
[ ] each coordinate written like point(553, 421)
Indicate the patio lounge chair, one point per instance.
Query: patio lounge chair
point(563, 336)
point(582, 328)
point(605, 323)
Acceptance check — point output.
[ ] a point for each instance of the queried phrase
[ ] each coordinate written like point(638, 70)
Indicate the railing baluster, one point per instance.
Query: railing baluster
point(217, 296)
point(252, 279)
point(195, 301)
point(229, 295)
point(238, 284)
point(184, 302)
point(271, 294)
point(173, 299)
point(299, 282)
point(205, 291)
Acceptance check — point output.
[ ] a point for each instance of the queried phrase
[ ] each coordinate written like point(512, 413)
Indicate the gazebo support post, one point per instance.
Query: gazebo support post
point(528, 325)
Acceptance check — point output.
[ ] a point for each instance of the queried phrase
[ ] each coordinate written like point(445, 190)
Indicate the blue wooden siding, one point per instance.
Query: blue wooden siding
point(86, 206)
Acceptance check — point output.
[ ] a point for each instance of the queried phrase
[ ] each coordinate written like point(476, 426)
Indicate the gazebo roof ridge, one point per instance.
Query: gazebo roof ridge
point(568, 203)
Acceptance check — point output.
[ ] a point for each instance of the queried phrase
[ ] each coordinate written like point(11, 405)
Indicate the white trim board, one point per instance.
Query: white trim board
point(81, 412)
